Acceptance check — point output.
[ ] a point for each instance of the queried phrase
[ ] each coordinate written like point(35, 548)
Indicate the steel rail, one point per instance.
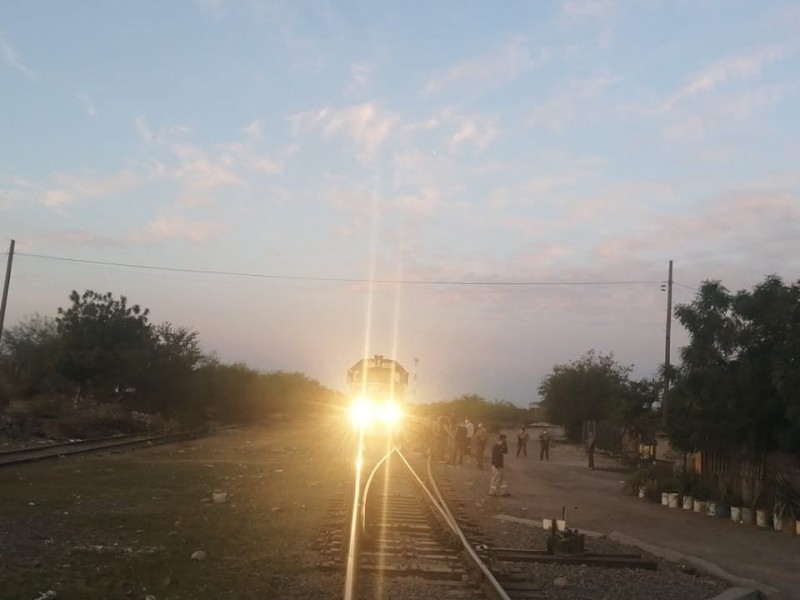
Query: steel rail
point(367, 485)
point(353, 547)
point(492, 586)
point(16, 457)
point(71, 444)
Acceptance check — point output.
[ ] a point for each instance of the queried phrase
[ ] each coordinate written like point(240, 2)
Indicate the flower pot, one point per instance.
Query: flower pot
point(664, 498)
point(641, 493)
point(789, 526)
point(761, 517)
point(748, 515)
point(723, 511)
point(688, 503)
point(673, 500)
point(777, 522)
point(736, 514)
point(699, 506)
point(711, 508)
point(797, 527)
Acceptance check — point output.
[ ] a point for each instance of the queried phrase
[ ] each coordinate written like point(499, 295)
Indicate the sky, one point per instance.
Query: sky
point(480, 190)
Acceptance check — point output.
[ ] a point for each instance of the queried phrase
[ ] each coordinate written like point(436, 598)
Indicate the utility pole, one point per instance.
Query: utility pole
point(669, 327)
point(5, 287)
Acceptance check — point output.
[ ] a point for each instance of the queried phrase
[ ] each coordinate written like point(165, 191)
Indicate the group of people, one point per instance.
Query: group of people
point(453, 439)
point(544, 443)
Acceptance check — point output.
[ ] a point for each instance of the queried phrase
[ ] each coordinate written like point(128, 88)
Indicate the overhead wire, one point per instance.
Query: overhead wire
point(339, 279)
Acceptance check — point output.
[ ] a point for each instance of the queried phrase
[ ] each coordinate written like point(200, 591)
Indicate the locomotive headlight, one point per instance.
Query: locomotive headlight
point(391, 414)
point(363, 412)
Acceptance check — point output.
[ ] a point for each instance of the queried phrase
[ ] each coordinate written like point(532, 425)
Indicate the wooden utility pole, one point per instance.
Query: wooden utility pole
point(669, 327)
point(5, 287)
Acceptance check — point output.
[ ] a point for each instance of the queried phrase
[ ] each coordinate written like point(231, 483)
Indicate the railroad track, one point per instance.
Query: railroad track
point(130, 441)
point(410, 537)
point(404, 540)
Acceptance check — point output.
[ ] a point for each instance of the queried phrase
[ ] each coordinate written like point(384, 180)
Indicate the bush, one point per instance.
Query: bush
point(652, 491)
point(100, 421)
point(686, 481)
point(641, 478)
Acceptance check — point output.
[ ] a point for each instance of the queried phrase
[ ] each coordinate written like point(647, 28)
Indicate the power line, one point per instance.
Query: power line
point(685, 286)
point(335, 279)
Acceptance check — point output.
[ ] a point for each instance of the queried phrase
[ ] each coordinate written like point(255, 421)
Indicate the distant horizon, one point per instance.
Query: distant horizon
point(332, 386)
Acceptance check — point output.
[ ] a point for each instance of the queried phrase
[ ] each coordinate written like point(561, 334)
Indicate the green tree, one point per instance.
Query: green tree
point(29, 350)
point(104, 342)
point(171, 383)
point(636, 408)
point(585, 389)
point(737, 386)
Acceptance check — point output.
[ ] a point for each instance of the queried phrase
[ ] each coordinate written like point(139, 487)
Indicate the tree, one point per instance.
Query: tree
point(29, 349)
point(586, 389)
point(171, 383)
point(738, 384)
point(104, 342)
point(635, 410)
point(476, 408)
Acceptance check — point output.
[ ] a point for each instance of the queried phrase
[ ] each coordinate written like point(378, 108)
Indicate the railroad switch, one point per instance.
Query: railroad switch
point(569, 541)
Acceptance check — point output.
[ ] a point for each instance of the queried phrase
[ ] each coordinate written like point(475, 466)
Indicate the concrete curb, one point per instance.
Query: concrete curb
point(745, 590)
point(737, 594)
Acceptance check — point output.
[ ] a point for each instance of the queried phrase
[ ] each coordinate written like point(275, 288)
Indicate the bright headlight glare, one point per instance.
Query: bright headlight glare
point(391, 414)
point(362, 413)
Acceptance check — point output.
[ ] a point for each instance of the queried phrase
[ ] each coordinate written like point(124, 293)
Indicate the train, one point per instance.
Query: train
point(378, 387)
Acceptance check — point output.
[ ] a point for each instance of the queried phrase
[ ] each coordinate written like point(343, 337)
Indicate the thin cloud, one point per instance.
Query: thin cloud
point(423, 204)
point(151, 137)
point(12, 59)
point(73, 188)
point(201, 174)
point(178, 228)
point(254, 130)
point(724, 112)
point(739, 68)
point(367, 125)
point(477, 132)
point(360, 77)
point(471, 130)
point(498, 67)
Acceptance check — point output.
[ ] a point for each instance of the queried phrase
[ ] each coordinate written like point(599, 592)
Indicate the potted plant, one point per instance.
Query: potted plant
point(700, 495)
point(723, 502)
point(651, 490)
point(642, 481)
point(786, 508)
point(737, 504)
point(685, 482)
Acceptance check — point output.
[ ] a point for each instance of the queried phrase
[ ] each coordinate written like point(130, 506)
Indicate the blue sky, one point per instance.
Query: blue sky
point(458, 147)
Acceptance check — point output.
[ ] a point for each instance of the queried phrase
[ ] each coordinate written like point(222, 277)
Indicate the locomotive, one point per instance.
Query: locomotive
point(378, 386)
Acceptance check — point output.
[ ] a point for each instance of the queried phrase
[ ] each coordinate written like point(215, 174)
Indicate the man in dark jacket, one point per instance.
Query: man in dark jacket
point(498, 451)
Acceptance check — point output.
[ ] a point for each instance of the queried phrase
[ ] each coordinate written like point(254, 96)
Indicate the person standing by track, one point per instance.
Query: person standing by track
point(497, 484)
point(544, 445)
point(470, 427)
point(480, 438)
point(590, 449)
point(522, 442)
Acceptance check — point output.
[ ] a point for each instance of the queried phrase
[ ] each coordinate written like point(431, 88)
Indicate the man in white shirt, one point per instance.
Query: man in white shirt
point(470, 433)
